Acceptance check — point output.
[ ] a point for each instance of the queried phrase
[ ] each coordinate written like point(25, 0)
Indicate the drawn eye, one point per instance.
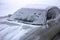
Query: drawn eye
point(34, 13)
point(21, 12)
point(39, 14)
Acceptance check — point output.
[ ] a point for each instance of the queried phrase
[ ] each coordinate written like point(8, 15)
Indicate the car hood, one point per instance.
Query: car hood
point(15, 30)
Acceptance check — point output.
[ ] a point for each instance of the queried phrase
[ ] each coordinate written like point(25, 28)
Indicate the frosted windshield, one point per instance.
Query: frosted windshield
point(30, 16)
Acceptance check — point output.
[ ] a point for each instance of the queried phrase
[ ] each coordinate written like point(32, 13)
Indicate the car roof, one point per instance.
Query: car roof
point(36, 6)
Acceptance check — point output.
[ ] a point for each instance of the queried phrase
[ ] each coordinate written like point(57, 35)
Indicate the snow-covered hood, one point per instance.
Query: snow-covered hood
point(10, 30)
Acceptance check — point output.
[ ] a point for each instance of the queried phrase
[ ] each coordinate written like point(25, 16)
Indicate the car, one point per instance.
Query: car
point(31, 24)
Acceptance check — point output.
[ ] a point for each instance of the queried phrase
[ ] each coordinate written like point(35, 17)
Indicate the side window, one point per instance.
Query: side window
point(51, 14)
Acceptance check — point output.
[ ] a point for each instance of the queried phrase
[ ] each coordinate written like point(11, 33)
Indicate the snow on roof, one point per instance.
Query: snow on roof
point(36, 6)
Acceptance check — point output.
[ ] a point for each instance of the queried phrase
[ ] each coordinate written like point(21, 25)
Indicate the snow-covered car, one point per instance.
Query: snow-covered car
point(30, 24)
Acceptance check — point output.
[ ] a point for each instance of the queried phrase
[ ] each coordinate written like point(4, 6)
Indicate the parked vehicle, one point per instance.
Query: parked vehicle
point(31, 24)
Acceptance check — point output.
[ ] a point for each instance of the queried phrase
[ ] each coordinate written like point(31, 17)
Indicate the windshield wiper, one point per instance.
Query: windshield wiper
point(37, 24)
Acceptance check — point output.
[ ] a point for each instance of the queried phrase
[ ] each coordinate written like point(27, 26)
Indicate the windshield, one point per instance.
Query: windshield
point(30, 16)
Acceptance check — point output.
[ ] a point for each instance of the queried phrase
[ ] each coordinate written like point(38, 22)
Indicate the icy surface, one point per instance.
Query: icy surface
point(29, 14)
point(10, 30)
point(16, 30)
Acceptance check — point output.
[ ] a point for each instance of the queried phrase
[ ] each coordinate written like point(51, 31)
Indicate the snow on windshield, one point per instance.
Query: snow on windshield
point(29, 16)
